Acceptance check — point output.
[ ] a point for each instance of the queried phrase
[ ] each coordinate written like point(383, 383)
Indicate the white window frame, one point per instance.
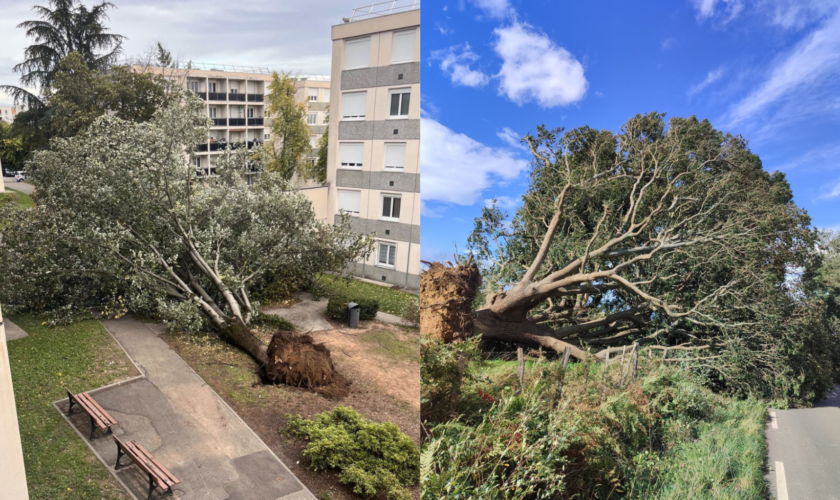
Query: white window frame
point(213, 111)
point(312, 118)
point(385, 161)
point(349, 118)
point(211, 87)
point(392, 252)
point(327, 95)
point(391, 217)
point(400, 91)
point(350, 165)
point(367, 40)
point(394, 45)
point(313, 95)
point(338, 202)
point(194, 85)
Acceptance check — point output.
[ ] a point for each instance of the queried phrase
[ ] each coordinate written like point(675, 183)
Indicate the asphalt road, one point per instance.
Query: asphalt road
point(23, 187)
point(804, 451)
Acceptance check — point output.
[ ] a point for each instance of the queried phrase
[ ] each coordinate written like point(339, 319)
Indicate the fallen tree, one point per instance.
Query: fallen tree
point(670, 236)
point(124, 217)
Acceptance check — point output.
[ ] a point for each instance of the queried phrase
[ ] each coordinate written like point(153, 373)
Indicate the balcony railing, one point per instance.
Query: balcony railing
point(219, 122)
point(201, 148)
point(234, 122)
point(255, 98)
point(233, 96)
point(218, 146)
point(252, 122)
point(202, 95)
point(217, 96)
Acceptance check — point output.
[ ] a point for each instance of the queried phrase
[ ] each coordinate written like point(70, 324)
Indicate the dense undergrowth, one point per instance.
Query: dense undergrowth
point(659, 435)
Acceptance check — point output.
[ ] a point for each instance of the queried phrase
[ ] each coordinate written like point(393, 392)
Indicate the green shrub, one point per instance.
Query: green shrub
point(273, 321)
point(337, 307)
point(372, 457)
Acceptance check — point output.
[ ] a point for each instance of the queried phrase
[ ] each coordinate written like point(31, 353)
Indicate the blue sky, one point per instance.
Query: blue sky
point(495, 69)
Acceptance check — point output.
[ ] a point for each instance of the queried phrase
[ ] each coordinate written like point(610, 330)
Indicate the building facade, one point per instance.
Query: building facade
point(7, 114)
point(374, 139)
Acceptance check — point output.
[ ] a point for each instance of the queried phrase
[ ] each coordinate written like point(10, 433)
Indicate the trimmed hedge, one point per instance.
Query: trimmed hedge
point(337, 307)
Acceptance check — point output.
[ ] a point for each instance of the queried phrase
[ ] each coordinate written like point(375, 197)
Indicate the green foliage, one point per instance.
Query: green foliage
point(289, 131)
point(391, 300)
point(81, 356)
point(662, 436)
point(372, 457)
point(12, 148)
point(319, 170)
point(62, 27)
point(337, 307)
point(273, 321)
point(444, 369)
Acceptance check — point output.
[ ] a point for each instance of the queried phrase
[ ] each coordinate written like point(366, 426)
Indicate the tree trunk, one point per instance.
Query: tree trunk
point(524, 332)
point(236, 332)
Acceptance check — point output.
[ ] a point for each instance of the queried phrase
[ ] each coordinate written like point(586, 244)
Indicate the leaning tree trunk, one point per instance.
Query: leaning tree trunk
point(521, 331)
point(235, 331)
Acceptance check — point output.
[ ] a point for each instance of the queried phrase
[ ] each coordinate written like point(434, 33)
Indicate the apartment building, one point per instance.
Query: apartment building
point(374, 136)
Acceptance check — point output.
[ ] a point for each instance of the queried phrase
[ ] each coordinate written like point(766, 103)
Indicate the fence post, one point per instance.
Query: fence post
point(606, 369)
point(636, 365)
point(558, 394)
point(520, 367)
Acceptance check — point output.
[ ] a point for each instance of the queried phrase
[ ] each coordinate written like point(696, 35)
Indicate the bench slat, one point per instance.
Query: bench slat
point(149, 465)
point(163, 469)
point(85, 405)
point(106, 418)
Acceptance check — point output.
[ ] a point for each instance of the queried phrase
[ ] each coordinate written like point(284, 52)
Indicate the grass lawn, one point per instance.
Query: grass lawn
point(22, 199)
point(390, 300)
point(81, 356)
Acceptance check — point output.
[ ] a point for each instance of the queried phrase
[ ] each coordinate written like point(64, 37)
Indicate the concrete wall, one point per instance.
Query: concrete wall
point(12, 473)
point(318, 196)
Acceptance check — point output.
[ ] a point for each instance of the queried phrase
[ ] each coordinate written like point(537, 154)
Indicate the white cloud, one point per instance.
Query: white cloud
point(534, 68)
point(786, 14)
point(668, 43)
point(455, 61)
point(511, 138)
point(457, 168)
point(503, 202)
point(709, 8)
point(494, 8)
point(812, 59)
point(711, 78)
point(833, 192)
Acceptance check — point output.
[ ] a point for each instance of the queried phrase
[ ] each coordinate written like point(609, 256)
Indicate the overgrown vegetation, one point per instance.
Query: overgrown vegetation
point(22, 200)
point(337, 307)
point(81, 356)
point(391, 301)
point(372, 457)
point(661, 434)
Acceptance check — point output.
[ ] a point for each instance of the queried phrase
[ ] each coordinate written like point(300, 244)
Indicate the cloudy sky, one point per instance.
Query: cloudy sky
point(292, 35)
point(495, 69)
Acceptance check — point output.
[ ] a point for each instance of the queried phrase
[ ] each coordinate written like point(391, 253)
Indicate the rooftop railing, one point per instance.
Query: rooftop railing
point(382, 9)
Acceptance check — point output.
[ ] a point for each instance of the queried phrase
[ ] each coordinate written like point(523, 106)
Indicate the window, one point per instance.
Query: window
point(394, 155)
point(349, 201)
point(391, 207)
point(313, 95)
point(403, 50)
point(250, 112)
point(313, 141)
point(193, 86)
point(326, 95)
point(399, 102)
point(213, 87)
point(354, 105)
point(197, 162)
point(312, 118)
point(387, 254)
point(213, 112)
point(234, 91)
point(267, 136)
point(357, 53)
point(351, 154)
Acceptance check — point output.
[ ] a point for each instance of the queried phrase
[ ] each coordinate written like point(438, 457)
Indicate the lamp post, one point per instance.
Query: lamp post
point(12, 473)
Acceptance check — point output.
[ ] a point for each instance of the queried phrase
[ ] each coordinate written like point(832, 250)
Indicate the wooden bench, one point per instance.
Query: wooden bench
point(98, 416)
point(158, 475)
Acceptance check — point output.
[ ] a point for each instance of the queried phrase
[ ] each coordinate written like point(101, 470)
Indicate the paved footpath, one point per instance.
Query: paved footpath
point(186, 426)
point(804, 451)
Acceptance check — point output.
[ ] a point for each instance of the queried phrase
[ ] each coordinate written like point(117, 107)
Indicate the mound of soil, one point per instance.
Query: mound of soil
point(297, 361)
point(447, 292)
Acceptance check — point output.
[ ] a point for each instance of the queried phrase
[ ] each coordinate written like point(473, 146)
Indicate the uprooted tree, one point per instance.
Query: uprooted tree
point(124, 220)
point(671, 236)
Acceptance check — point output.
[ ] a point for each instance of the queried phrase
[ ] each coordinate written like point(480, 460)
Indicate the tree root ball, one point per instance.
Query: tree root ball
point(446, 294)
point(297, 361)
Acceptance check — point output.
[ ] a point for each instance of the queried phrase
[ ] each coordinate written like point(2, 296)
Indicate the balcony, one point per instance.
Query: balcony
point(236, 97)
point(255, 122)
point(201, 148)
point(237, 122)
point(218, 146)
point(217, 96)
point(219, 122)
point(255, 97)
point(236, 144)
point(202, 95)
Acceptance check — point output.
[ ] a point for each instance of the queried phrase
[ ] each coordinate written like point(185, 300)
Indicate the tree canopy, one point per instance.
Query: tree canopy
point(124, 223)
point(62, 27)
point(289, 130)
point(669, 235)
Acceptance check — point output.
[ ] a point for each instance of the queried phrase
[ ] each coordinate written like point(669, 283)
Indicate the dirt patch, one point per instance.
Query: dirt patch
point(447, 292)
point(385, 388)
point(295, 360)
